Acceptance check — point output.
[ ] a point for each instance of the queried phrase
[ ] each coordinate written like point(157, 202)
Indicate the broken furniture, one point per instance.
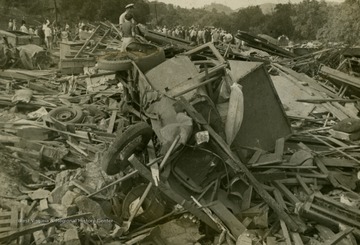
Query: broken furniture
point(18, 38)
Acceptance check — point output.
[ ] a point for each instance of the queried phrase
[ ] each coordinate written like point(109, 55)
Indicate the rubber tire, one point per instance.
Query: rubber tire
point(79, 114)
point(149, 62)
point(109, 163)
point(114, 65)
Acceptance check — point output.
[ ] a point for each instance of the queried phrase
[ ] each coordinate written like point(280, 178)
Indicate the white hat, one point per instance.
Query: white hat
point(131, 5)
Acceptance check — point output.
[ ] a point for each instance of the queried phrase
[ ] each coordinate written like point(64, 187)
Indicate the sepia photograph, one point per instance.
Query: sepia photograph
point(180, 122)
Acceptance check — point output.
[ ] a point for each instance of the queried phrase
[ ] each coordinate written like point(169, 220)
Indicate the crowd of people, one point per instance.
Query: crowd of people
point(195, 34)
point(198, 35)
point(47, 32)
point(51, 32)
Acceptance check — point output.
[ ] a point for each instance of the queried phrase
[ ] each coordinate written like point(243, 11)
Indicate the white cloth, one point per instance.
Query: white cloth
point(125, 42)
point(47, 31)
point(24, 29)
point(122, 18)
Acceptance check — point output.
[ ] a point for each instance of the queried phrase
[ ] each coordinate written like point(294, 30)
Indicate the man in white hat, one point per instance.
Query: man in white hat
point(128, 9)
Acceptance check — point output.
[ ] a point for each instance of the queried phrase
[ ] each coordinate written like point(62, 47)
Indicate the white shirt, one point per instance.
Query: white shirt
point(47, 31)
point(122, 18)
point(23, 29)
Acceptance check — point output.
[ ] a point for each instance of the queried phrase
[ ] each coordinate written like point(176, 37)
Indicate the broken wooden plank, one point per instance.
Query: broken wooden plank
point(43, 205)
point(332, 147)
point(279, 198)
point(336, 162)
point(288, 194)
point(279, 147)
point(345, 136)
point(112, 122)
point(347, 111)
point(323, 169)
point(303, 185)
point(326, 234)
point(246, 201)
point(39, 237)
point(87, 42)
point(255, 157)
point(339, 76)
point(296, 238)
point(270, 240)
point(338, 237)
point(285, 232)
point(267, 159)
point(233, 224)
point(319, 101)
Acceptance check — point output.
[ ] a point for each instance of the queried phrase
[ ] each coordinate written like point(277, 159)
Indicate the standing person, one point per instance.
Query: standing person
point(40, 33)
point(128, 30)
point(227, 37)
point(23, 28)
point(200, 36)
point(216, 37)
point(207, 35)
point(193, 35)
point(128, 9)
point(48, 37)
point(31, 30)
point(14, 25)
point(10, 25)
point(45, 24)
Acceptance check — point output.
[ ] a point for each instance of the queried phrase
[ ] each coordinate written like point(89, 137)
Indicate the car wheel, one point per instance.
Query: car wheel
point(134, 139)
point(67, 114)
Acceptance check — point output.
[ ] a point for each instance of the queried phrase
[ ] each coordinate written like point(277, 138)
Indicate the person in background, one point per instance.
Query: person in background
point(164, 30)
point(23, 27)
point(193, 35)
point(207, 35)
point(283, 41)
point(31, 30)
point(227, 37)
point(67, 27)
point(10, 25)
point(200, 36)
point(48, 37)
point(14, 25)
point(215, 37)
point(45, 24)
point(65, 34)
point(128, 30)
point(128, 10)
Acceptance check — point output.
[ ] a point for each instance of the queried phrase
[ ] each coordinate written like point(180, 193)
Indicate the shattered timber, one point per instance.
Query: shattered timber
point(168, 143)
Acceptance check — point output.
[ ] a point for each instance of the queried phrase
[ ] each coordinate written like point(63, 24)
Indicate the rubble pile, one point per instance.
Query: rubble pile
point(208, 146)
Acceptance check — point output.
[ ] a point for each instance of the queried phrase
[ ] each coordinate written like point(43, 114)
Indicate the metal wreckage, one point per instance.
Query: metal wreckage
point(168, 143)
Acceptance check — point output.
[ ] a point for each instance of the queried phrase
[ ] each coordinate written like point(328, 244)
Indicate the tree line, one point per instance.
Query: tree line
point(305, 21)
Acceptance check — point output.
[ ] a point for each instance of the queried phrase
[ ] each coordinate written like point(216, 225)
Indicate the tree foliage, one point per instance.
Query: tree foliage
point(280, 21)
point(309, 16)
point(307, 20)
point(343, 23)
